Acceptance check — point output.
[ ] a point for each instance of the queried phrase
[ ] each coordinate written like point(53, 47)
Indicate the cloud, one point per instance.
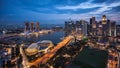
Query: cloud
point(102, 7)
point(43, 10)
point(84, 5)
point(114, 16)
point(105, 7)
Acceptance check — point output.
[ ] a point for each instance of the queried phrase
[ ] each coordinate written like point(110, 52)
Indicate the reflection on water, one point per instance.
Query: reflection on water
point(55, 37)
point(0, 33)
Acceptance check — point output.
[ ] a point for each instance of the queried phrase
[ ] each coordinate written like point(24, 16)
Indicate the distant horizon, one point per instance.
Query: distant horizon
point(55, 23)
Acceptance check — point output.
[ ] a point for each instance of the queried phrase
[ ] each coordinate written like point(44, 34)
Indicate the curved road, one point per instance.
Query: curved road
point(47, 56)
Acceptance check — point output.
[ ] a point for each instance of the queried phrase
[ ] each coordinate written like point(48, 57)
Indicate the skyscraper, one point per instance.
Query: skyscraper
point(90, 27)
point(104, 19)
point(93, 26)
point(99, 29)
point(118, 30)
point(93, 22)
point(27, 26)
point(32, 27)
point(78, 27)
point(81, 27)
point(84, 27)
point(113, 28)
point(108, 28)
point(69, 27)
point(104, 25)
point(37, 26)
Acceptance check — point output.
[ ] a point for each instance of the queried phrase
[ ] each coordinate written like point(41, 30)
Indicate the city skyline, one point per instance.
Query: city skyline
point(56, 12)
point(59, 34)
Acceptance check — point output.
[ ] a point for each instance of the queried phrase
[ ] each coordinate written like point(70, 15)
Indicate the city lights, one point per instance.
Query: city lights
point(60, 34)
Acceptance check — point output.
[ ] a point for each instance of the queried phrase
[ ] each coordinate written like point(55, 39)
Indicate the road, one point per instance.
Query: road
point(112, 62)
point(16, 58)
point(25, 60)
point(119, 60)
point(8, 35)
point(47, 56)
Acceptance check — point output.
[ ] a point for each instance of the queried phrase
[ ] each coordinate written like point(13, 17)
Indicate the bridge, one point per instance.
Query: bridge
point(4, 36)
point(47, 56)
point(8, 35)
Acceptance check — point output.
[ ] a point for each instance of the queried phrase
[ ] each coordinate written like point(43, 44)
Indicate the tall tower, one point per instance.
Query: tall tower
point(90, 27)
point(84, 25)
point(31, 26)
point(94, 26)
point(93, 22)
point(37, 26)
point(99, 29)
point(104, 20)
point(27, 26)
point(105, 25)
point(70, 27)
point(113, 28)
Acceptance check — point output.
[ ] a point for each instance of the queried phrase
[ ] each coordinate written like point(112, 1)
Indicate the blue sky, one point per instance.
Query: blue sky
point(57, 11)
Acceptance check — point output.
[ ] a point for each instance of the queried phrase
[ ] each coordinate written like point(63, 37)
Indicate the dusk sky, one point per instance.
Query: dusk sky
point(57, 11)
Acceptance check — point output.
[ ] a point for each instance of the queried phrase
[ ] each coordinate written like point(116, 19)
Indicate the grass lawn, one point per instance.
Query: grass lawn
point(92, 58)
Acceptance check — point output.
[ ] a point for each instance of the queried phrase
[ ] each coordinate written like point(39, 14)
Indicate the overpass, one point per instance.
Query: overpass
point(47, 56)
point(25, 60)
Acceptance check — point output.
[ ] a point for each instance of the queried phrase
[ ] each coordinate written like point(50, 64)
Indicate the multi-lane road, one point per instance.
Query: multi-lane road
point(47, 56)
point(119, 60)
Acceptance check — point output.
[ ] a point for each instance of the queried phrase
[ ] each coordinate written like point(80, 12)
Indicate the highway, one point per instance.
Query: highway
point(25, 60)
point(47, 56)
point(112, 62)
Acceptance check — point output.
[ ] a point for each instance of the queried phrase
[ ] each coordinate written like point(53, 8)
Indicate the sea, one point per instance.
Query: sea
point(55, 37)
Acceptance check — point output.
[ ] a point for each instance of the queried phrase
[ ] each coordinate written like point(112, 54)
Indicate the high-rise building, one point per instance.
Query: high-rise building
point(88, 30)
point(104, 19)
point(113, 28)
point(84, 27)
point(27, 26)
point(93, 26)
point(99, 29)
point(32, 26)
point(109, 28)
point(118, 30)
point(93, 22)
point(69, 27)
point(78, 27)
point(108, 31)
point(105, 26)
point(37, 26)
point(90, 27)
point(90, 21)
point(81, 27)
